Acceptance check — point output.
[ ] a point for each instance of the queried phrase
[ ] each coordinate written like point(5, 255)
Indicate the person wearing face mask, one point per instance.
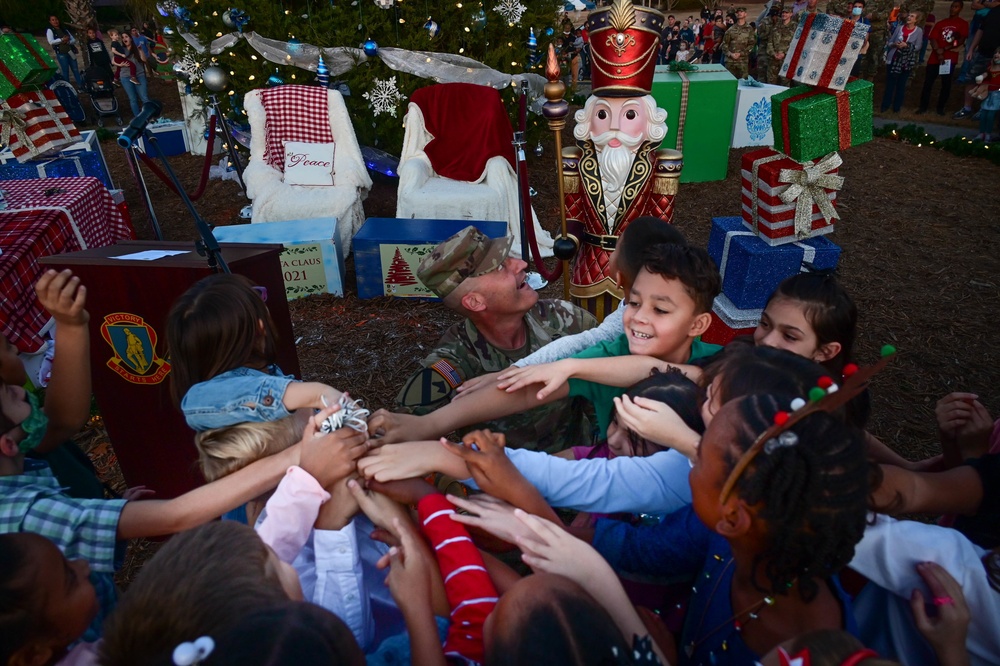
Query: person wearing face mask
point(946, 40)
point(856, 14)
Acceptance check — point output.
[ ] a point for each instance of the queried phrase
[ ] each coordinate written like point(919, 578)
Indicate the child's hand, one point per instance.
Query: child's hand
point(491, 515)
point(393, 427)
point(393, 462)
point(329, 458)
point(470, 386)
point(554, 550)
point(340, 510)
point(483, 453)
point(974, 436)
point(656, 422)
point(409, 578)
point(380, 509)
point(947, 630)
point(137, 493)
point(64, 297)
point(552, 375)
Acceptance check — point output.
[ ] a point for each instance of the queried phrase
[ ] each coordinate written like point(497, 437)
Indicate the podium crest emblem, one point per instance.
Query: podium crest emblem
point(133, 342)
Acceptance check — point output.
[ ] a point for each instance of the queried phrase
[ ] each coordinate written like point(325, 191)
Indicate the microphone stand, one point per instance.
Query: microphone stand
point(140, 181)
point(208, 246)
point(234, 155)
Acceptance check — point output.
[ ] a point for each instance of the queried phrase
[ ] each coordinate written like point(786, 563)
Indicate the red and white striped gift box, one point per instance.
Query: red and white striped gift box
point(771, 218)
point(47, 126)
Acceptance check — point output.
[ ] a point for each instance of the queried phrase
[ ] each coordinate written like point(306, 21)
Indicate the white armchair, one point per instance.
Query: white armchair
point(477, 122)
point(302, 119)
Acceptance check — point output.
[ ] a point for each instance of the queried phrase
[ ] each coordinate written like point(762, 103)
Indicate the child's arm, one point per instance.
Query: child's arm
point(392, 462)
point(67, 399)
point(958, 490)
point(947, 630)
point(159, 517)
point(620, 371)
point(569, 345)
point(291, 512)
point(300, 395)
point(553, 550)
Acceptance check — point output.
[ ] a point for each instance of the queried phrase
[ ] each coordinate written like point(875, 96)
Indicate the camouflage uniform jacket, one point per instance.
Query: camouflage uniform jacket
point(740, 39)
point(763, 32)
point(841, 8)
point(878, 12)
point(781, 38)
point(463, 353)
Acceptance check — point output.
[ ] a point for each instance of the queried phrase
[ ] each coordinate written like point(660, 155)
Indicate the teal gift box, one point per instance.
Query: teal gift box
point(700, 123)
point(810, 123)
point(23, 62)
point(312, 261)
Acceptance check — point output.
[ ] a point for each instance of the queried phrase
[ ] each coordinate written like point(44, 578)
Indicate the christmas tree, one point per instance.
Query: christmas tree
point(493, 32)
point(399, 272)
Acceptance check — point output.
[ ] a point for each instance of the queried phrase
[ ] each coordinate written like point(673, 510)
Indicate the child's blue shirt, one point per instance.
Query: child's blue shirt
point(237, 396)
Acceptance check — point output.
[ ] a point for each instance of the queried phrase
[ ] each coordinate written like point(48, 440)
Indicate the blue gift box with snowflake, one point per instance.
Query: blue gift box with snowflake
point(823, 50)
point(752, 116)
point(751, 269)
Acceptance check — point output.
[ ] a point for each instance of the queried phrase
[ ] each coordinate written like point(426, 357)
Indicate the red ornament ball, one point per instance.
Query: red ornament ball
point(824, 382)
point(850, 369)
point(781, 418)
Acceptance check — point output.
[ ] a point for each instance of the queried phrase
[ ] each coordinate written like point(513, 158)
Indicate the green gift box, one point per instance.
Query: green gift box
point(812, 122)
point(699, 105)
point(23, 62)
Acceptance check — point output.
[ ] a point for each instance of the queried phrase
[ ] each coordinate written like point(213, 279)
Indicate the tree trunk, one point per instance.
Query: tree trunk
point(81, 15)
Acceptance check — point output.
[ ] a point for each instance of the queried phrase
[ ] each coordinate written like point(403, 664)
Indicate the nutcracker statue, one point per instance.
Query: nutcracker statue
point(617, 171)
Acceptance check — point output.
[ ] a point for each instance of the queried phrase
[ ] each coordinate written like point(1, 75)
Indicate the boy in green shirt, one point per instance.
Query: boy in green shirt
point(668, 309)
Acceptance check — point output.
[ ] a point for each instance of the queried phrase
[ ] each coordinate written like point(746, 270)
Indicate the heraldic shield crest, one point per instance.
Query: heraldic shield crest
point(134, 344)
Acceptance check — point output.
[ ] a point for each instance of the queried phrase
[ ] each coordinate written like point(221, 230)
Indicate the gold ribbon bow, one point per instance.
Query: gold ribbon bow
point(11, 121)
point(808, 187)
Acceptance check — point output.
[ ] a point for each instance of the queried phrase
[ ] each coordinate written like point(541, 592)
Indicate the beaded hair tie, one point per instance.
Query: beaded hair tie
point(825, 397)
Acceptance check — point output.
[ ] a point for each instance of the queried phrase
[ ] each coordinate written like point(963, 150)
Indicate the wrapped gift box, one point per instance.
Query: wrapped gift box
point(118, 196)
point(809, 122)
point(388, 250)
point(701, 129)
point(823, 50)
point(23, 62)
point(728, 322)
point(752, 120)
point(84, 158)
point(767, 214)
point(171, 138)
point(751, 269)
point(311, 262)
point(46, 125)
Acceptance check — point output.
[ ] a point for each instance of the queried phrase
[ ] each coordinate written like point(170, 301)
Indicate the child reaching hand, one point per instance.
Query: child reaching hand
point(223, 344)
point(119, 57)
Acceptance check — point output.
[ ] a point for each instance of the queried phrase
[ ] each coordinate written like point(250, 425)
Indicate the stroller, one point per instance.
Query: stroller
point(69, 99)
point(101, 87)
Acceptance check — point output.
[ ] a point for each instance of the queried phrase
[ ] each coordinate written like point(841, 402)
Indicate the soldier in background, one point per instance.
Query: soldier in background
point(737, 44)
point(778, 43)
point(763, 35)
point(504, 322)
point(878, 14)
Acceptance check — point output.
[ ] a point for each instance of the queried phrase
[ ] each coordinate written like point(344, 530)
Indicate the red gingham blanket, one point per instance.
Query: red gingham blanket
point(294, 113)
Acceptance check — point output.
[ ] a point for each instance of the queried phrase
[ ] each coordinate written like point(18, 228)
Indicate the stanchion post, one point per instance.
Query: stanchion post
point(555, 111)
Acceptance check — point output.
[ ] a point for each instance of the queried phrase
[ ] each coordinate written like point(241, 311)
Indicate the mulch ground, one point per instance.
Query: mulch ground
point(917, 231)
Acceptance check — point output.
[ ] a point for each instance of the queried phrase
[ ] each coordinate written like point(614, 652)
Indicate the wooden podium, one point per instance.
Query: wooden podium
point(128, 301)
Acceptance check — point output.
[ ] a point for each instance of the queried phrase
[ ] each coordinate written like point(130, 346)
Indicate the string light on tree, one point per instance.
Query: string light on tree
point(511, 11)
point(384, 97)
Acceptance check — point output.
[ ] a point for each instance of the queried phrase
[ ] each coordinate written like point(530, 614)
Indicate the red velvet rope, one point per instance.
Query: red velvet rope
point(206, 167)
point(529, 217)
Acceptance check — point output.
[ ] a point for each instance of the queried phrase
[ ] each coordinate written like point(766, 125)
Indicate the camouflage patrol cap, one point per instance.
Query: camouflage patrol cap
point(740, 9)
point(469, 253)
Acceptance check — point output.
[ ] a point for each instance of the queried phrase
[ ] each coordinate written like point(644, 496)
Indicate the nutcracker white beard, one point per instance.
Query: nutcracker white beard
point(615, 163)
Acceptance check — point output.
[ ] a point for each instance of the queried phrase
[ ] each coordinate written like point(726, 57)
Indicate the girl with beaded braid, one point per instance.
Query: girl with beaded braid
point(766, 552)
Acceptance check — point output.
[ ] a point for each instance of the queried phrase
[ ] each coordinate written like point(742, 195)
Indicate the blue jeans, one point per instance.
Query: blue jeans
point(137, 94)
point(895, 90)
point(67, 62)
point(986, 121)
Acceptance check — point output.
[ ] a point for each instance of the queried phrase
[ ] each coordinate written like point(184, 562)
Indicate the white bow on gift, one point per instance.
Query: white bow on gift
point(808, 187)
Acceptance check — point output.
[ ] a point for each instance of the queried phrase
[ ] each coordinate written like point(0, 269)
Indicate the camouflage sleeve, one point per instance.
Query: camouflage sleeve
point(444, 369)
point(726, 40)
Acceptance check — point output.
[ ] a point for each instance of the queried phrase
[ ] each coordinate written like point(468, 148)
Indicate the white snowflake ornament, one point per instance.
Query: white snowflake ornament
point(511, 11)
point(384, 97)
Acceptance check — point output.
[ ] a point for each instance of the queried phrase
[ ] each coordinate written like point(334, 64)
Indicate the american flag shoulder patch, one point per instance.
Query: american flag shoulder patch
point(448, 371)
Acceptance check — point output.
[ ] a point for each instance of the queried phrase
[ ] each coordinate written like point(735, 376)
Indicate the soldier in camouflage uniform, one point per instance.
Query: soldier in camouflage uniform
point(777, 45)
point(763, 35)
point(841, 8)
point(737, 44)
point(474, 277)
point(877, 11)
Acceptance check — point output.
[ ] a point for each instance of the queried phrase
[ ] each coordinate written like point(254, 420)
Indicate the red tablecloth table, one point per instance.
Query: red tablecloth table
point(43, 217)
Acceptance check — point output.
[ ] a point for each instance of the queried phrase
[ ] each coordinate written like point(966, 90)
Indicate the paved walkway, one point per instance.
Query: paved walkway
point(939, 132)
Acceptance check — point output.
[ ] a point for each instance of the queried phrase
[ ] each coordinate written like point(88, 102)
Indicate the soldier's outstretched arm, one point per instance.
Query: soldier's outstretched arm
point(481, 406)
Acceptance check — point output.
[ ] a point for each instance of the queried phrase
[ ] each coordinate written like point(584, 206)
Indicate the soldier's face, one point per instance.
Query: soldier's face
point(505, 289)
point(619, 114)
